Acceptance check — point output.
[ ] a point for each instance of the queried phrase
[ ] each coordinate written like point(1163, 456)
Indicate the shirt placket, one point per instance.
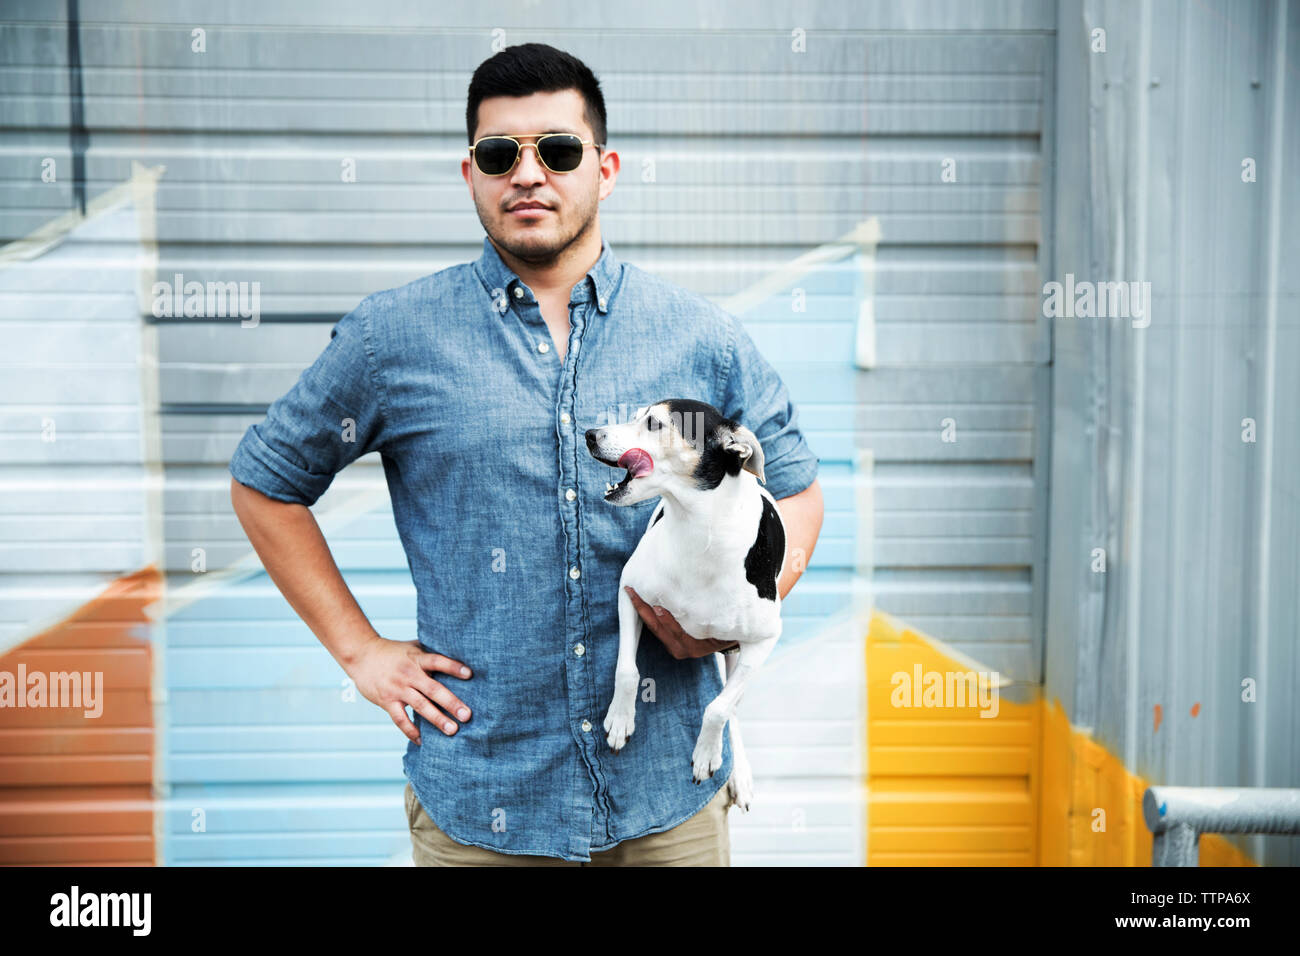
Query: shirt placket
point(583, 714)
point(591, 816)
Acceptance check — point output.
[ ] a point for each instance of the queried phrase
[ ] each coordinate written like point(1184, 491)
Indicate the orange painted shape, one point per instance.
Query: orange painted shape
point(1158, 714)
point(77, 790)
point(1196, 708)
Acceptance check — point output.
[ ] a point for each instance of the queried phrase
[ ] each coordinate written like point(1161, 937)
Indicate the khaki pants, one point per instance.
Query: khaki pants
point(701, 840)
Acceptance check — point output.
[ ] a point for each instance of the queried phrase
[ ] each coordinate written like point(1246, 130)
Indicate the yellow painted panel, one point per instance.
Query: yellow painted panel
point(948, 787)
point(970, 809)
point(1216, 850)
point(986, 731)
point(953, 858)
point(944, 838)
point(993, 786)
point(922, 758)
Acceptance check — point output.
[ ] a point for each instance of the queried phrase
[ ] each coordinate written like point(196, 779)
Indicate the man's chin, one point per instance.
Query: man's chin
point(529, 241)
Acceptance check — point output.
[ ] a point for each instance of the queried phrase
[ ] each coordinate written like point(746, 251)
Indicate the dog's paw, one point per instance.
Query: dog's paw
point(619, 724)
point(706, 759)
point(741, 786)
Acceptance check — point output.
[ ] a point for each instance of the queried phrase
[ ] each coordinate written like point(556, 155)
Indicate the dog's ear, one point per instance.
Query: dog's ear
point(744, 444)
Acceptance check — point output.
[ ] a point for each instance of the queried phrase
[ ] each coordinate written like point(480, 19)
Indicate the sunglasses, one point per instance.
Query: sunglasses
point(558, 152)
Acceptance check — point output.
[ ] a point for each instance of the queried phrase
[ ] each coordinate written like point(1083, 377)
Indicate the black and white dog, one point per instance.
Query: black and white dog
point(711, 556)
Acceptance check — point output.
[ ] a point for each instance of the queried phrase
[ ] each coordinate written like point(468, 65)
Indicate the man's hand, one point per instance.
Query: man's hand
point(392, 674)
point(665, 627)
point(389, 674)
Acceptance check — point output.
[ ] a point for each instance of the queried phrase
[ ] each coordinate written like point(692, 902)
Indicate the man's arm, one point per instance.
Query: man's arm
point(802, 516)
point(390, 674)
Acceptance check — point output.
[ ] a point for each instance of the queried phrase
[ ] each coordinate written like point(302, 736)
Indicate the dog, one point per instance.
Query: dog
point(711, 555)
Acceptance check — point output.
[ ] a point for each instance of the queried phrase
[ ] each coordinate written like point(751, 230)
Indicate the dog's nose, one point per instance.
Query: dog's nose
point(591, 439)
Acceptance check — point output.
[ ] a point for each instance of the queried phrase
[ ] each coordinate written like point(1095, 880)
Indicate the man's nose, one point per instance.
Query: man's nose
point(529, 168)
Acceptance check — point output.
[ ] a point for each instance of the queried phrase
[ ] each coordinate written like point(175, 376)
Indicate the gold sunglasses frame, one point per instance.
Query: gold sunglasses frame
point(519, 153)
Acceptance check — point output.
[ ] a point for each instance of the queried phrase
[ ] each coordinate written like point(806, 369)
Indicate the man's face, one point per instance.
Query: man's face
point(572, 199)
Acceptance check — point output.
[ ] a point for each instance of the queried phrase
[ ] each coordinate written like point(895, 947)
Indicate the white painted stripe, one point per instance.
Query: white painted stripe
point(861, 237)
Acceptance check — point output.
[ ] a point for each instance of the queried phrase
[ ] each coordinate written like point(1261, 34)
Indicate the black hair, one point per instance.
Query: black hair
point(535, 68)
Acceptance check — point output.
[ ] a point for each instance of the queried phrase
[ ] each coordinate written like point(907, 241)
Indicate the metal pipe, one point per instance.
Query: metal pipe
point(1177, 816)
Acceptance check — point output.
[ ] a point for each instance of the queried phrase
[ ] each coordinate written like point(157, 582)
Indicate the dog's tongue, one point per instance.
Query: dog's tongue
point(637, 461)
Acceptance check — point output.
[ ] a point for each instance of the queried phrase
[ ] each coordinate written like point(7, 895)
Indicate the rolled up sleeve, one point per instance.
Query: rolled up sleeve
point(757, 398)
point(333, 415)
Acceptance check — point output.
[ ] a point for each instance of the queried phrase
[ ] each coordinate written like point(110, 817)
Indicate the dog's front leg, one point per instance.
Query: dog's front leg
point(620, 720)
point(740, 786)
point(707, 757)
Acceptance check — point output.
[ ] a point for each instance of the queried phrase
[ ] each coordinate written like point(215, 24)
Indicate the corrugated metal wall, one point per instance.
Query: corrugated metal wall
point(79, 535)
point(742, 151)
point(1154, 461)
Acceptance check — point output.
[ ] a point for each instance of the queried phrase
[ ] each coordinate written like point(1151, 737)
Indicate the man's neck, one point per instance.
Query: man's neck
point(561, 275)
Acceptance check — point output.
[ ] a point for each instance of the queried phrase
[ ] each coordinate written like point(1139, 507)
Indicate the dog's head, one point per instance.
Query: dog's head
point(675, 444)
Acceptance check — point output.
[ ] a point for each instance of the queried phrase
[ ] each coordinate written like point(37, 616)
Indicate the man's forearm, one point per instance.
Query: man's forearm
point(289, 541)
point(802, 516)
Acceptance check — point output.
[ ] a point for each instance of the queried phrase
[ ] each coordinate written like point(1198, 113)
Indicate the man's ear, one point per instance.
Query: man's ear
point(744, 444)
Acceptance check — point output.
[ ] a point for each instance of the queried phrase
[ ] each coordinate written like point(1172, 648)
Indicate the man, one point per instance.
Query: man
point(476, 385)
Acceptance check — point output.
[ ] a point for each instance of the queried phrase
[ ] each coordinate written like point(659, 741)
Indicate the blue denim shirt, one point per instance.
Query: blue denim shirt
point(454, 380)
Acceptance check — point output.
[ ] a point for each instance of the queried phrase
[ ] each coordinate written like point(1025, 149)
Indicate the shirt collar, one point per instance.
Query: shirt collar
point(599, 285)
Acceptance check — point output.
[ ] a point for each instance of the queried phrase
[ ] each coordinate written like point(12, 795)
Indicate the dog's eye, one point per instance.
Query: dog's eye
point(652, 423)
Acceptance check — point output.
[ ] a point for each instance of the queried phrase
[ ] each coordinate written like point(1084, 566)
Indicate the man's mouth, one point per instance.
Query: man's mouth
point(638, 463)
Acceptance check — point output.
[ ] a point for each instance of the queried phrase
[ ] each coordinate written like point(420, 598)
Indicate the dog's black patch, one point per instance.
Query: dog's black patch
point(698, 422)
point(655, 520)
point(764, 559)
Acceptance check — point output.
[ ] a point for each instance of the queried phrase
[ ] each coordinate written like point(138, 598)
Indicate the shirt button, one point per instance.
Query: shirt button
point(543, 347)
point(519, 292)
point(564, 417)
point(579, 649)
point(570, 495)
point(586, 726)
point(574, 573)
point(601, 303)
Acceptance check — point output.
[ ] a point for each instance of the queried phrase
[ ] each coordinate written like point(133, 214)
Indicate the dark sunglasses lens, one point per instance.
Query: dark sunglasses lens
point(495, 155)
point(561, 153)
